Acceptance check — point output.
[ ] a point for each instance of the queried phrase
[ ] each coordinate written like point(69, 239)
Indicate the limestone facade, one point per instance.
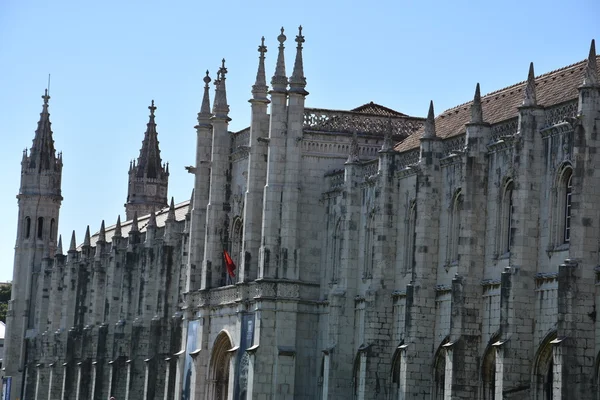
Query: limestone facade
point(379, 255)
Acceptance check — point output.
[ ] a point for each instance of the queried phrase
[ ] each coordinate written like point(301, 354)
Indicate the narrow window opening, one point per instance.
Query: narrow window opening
point(52, 229)
point(567, 210)
point(40, 228)
point(27, 227)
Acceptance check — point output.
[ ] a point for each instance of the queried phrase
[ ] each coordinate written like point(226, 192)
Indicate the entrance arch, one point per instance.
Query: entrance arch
point(219, 367)
point(543, 370)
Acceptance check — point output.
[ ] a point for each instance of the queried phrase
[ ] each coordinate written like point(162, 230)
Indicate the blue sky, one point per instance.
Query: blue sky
point(109, 59)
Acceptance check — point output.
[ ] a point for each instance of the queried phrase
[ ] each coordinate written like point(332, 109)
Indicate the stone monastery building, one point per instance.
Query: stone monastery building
point(378, 255)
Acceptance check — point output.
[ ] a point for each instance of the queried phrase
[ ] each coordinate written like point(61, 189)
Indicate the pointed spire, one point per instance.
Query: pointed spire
point(353, 156)
point(86, 239)
point(73, 245)
point(297, 80)
point(530, 97)
point(134, 223)
point(59, 249)
point(220, 106)
point(279, 81)
point(152, 219)
point(149, 163)
point(259, 90)
point(42, 155)
point(171, 214)
point(118, 228)
point(476, 110)
point(102, 233)
point(204, 114)
point(429, 132)
point(590, 77)
point(189, 211)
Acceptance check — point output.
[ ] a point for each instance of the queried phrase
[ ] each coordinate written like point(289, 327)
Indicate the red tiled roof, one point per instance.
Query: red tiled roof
point(552, 88)
point(377, 109)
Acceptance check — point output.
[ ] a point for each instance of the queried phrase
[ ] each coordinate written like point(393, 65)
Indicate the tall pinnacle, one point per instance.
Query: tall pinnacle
point(297, 80)
point(259, 90)
point(204, 114)
point(59, 249)
point(279, 81)
point(152, 219)
point(86, 239)
point(220, 106)
point(530, 97)
point(476, 110)
point(149, 163)
point(134, 223)
point(429, 132)
point(171, 213)
point(118, 227)
point(590, 78)
point(102, 233)
point(42, 155)
point(73, 245)
point(354, 156)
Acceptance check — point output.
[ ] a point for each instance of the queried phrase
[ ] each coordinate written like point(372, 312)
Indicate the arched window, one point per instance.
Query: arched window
point(369, 247)
point(488, 374)
point(336, 254)
point(568, 186)
point(454, 228)
point(409, 237)
point(560, 218)
point(236, 245)
point(40, 228)
point(52, 229)
point(544, 369)
point(506, 217)
point(439, 375)
point(27, 227)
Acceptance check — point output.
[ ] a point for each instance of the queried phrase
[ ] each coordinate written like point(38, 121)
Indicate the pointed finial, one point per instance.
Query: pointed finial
point(73, 245)
point(152, 220)
point(171, 213)
point(297, 80)
point(279, 81)
point(134, 223)
point(46, 97)
point(152, 108)
point(429, 132)
point(118, 227)
point(530, 97)
point(102, 233)
point(259, 90)
point(353, 156)
point(86, 239)
point(476, 110)
point(590, 77)
point(204, 114)
point(59, 249)
point(220, 106)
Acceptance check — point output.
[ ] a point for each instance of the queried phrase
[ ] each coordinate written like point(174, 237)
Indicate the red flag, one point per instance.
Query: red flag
point(229, 264)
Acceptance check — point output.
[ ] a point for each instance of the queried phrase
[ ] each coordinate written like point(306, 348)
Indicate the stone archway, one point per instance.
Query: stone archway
point(543, 371)
point(219, 367)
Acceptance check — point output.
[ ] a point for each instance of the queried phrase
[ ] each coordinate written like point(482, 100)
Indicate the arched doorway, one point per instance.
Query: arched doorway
point(219, 367)
point(488, 374)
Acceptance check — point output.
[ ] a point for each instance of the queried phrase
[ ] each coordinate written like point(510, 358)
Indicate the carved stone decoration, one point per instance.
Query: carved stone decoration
point(560, 113)
point(506, 128)
point(243, 379)
point(349, 122)
point(290, 290)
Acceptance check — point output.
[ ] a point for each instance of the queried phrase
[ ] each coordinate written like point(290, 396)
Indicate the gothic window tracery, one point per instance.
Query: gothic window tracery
point(560, 218)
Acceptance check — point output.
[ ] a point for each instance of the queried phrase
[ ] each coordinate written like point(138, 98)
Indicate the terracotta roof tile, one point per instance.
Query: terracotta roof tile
point(377, 109)
point(552, 88)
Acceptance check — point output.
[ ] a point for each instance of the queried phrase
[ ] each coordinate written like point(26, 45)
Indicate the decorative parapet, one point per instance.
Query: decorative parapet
point(505, 129)
point(408, 158)
point(454, 145)
point(560, 113)
point(337, 121)
point(336, 179)
point(370, 168)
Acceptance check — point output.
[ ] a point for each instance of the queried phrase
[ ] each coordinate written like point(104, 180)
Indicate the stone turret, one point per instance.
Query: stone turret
point(148, 177)
point(39, 202)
